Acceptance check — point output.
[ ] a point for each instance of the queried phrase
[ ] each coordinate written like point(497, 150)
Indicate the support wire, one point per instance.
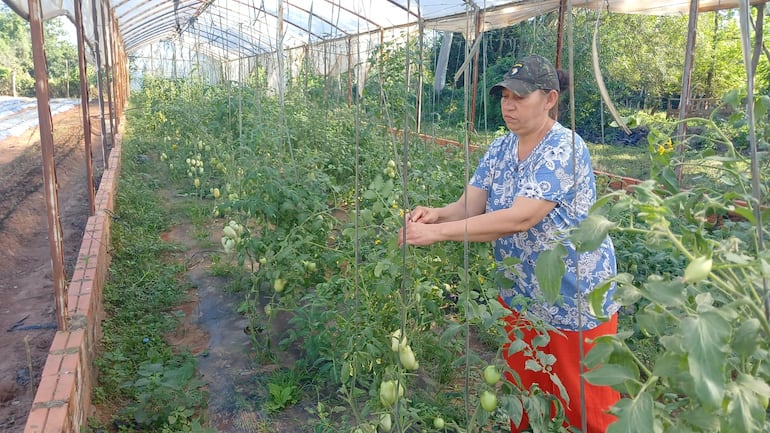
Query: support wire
point(571, 61)
point(744, 18)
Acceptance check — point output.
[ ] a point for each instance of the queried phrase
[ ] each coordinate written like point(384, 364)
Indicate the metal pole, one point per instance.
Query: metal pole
point(117, 72)
point(49, 167)
point(350, 73)
point(475, 83)
point(108, 70)
point(99, 82)
point(84, 105)
point(67, 77)
point(684, 101)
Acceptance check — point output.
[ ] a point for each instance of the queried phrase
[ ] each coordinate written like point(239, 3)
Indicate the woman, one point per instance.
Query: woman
point(532, 186)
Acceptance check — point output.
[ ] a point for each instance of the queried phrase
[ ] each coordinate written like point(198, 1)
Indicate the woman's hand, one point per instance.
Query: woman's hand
point(425, 215)
point(419, 234)
point(420, 227)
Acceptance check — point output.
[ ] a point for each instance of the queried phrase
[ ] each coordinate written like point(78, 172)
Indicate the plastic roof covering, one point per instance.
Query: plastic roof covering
point(242, 28)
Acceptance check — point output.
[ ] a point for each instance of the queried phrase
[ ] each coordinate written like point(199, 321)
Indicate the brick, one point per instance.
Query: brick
point(65, 387)
point(36, 420)
point(59, 341)
point(72, 303)
point(56, 422)
point(47, 388)
point(79, 305)
point(78, 274)
point(52, 365)
point(70, 363)
point(75, 340)
point(89, 274)
point(85, 287)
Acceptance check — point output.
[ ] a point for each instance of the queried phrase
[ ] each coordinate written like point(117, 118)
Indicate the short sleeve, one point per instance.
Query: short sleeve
point(485, 171)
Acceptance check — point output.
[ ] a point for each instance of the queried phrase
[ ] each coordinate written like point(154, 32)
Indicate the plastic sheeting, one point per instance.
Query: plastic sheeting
point(55, 8)
point(223, 40)
point(228, 29)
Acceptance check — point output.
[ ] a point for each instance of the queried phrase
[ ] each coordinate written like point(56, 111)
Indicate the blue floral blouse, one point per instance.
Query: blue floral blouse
point(548, 173)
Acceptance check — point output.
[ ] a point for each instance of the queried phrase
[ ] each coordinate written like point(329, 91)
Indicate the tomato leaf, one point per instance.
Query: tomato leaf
point(513, 407)
point(600, 353)
point(744, 410)
point(635, 416)
point(596, 299)
point(591, 232)
point(761, 105)
point(609, 374)
point(626, 293)
point(669, 293)
point(705, 338)
point(746, 337)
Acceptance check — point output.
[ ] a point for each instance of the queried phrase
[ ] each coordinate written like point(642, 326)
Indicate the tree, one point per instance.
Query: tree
point(15, 50)
point(16, 55)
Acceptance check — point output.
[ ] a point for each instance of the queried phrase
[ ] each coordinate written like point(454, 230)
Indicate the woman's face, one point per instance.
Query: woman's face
point(526, 114)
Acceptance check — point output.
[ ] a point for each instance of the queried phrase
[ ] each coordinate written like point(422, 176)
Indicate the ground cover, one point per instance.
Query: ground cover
point(299, 220)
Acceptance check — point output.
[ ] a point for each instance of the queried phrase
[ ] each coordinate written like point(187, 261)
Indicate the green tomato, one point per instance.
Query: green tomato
point(698, 269)
point(279, 285)
point(438, 422)
point(491, 375)
point(230, 232)
point(396, 340)
point(386, 423)
point(407, 358)
point(488, 401)
point(388, 392)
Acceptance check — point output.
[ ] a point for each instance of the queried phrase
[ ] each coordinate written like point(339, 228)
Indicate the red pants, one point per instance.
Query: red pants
point(564, 346)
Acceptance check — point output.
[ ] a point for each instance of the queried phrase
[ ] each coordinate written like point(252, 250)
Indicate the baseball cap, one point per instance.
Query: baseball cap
point(527, 75)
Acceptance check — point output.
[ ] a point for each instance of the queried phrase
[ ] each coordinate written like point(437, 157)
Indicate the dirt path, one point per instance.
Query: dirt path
point(27, 306)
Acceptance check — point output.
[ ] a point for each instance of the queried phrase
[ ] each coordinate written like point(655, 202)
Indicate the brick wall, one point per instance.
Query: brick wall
point(63, 398)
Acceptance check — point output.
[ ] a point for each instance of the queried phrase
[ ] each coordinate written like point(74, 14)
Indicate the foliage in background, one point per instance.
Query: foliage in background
point(16, 56)
point(642, 60)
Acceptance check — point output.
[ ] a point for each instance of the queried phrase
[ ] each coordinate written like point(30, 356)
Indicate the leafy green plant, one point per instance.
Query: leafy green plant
point(167, 393)
point(708, 315)
point(283, 389)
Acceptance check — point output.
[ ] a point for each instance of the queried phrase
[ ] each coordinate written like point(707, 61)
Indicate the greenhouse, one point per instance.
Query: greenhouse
point(384, 216)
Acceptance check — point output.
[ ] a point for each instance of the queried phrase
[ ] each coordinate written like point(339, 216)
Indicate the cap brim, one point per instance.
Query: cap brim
point(520, 88)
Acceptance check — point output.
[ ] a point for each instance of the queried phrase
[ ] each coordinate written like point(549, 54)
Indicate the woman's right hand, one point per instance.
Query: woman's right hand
point(424, 215)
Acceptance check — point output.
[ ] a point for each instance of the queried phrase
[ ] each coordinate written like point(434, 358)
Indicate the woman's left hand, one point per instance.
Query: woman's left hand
point(419, 234)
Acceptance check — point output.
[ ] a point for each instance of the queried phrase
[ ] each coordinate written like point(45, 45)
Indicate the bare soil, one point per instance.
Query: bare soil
point(27, 302)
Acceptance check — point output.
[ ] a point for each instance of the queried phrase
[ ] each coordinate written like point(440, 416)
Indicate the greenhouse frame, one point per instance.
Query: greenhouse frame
point(264, 46)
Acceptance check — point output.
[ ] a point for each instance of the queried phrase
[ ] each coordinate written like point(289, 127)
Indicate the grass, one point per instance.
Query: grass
point(144, 385)
point(628, 161)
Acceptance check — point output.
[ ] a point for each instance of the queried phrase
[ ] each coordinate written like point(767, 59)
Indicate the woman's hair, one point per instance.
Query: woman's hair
point(564, 79)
